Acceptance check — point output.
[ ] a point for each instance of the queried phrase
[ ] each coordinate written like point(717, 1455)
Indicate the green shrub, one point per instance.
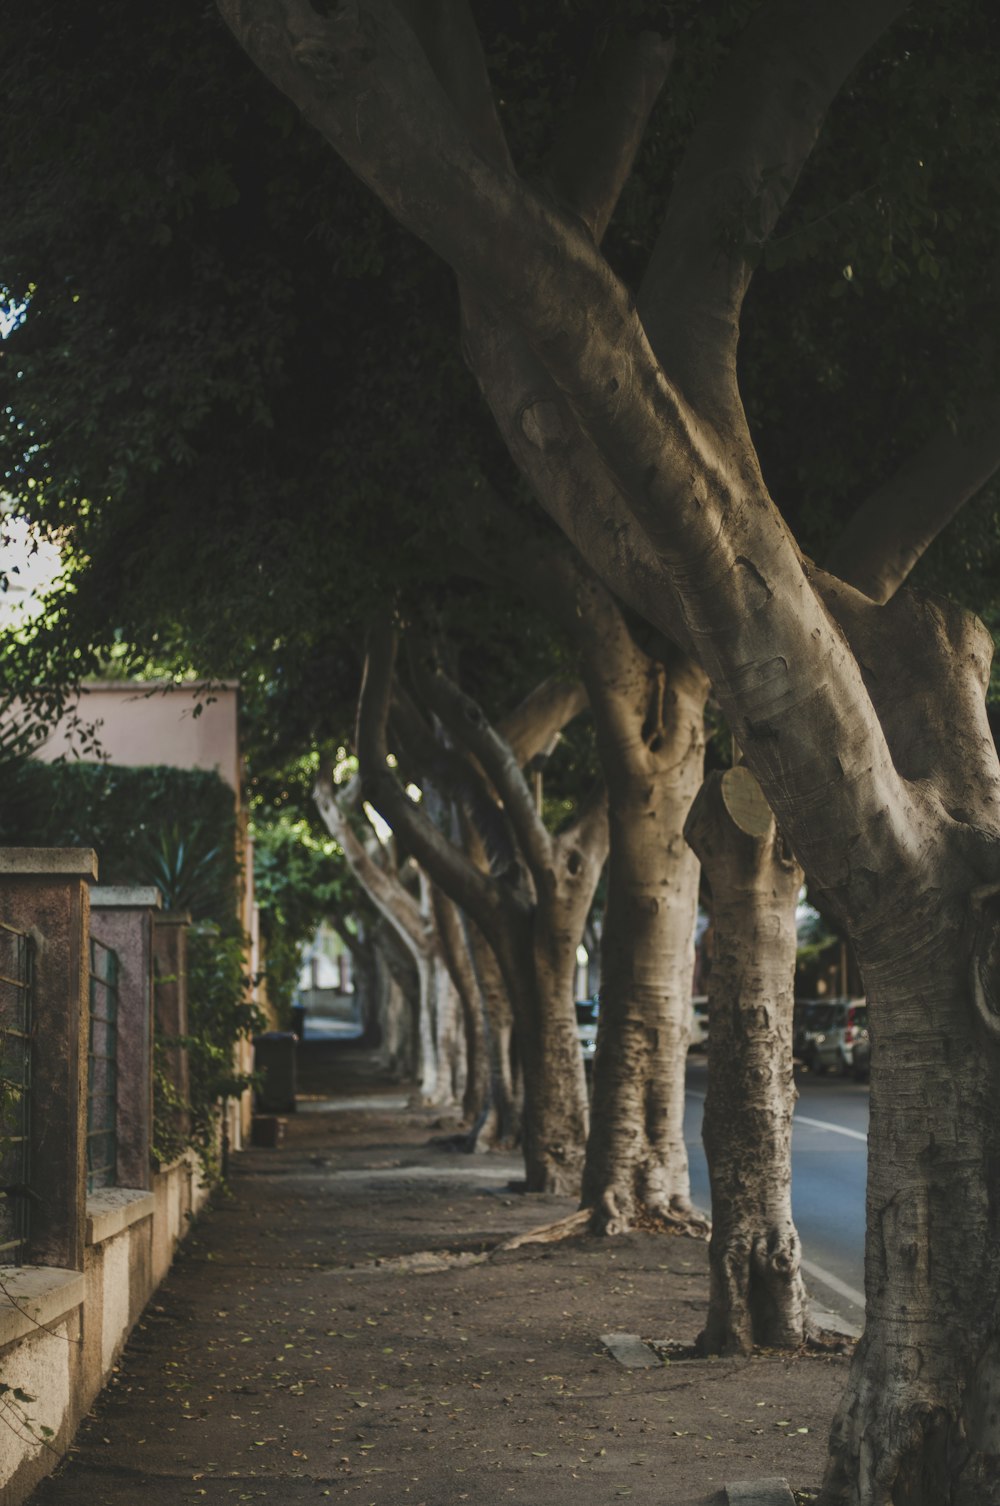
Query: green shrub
point(154, 825)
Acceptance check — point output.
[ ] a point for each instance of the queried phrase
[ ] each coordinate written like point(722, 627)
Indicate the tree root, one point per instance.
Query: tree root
point(649, 1221)
point(549, 1234)
point(680, 1222)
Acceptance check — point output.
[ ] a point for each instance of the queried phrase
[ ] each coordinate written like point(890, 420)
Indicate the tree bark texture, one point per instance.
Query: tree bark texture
point(652, 753)
point(413, 924)
point(397, 1011)
point(461, 967)
point(502, 1124)
point(920, 1422)
point(555, 1115)
point(447, 1028)
point(756, 1294)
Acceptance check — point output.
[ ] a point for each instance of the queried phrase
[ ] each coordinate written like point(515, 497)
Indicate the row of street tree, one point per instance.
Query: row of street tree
point(460, 381)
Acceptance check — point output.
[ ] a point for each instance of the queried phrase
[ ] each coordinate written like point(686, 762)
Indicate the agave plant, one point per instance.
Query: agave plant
point(185, 867)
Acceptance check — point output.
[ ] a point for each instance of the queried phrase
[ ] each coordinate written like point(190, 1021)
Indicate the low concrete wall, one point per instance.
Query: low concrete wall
point(62, 1331)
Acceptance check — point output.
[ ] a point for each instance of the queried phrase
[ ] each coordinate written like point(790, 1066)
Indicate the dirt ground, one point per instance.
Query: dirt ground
point(328, 1332)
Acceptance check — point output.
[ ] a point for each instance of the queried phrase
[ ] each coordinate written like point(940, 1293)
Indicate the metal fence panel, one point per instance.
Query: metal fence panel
point(16, 957)
point(102, 1068)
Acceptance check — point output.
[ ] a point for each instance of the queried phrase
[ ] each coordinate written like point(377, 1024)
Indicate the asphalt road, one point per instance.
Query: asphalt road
point(829, 1162)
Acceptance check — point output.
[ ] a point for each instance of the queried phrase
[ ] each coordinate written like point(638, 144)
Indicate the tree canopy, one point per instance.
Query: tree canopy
point(235, 386)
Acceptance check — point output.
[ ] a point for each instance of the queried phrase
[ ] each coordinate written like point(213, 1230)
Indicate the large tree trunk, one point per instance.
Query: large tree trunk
point(920, 1422)
point(756, 1292)
point(396, 1002)
point(554, 1114)
point(653, 756)
point(649, 715)
point(458, 960)
point(501, 1124)
point(441, 1074)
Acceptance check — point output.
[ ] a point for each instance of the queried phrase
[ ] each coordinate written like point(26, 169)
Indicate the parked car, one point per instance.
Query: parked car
point(825, 1031)
point(698, 1040)
point(804, 1028)
point(587, 1011)
point(860, 1044)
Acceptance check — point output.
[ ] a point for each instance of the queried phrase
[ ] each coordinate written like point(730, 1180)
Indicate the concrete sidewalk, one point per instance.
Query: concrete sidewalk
point(332, 1330)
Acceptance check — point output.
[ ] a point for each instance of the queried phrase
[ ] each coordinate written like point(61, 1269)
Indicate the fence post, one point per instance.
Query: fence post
point(123, 919)
point(44, 891)
point(170, 928)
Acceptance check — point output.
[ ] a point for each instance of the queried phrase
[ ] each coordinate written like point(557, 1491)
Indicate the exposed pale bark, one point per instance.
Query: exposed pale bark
point(756, 1294)
point(446, 1007)
point(870, 743)
point(458, 960)
point(653, 760)
point(398, 1009)
point(501, 1125)
point(413, 924)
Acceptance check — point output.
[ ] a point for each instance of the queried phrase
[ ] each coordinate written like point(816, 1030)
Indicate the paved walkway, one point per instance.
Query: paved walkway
point(333, 1330)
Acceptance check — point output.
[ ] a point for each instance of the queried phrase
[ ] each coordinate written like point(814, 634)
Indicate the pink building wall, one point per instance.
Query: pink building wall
point(154, 724)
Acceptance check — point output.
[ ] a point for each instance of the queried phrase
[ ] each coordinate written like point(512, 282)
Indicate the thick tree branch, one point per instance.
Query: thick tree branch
point(738, 172)
point(475, 891)
point(463, 780)
point(892, 529)
point(448, 35)
point(544, 712)
point(554, 576)
point(595, 147)
point(467, 723)
point(568, 476)
point(388, 895)
point(589, 829)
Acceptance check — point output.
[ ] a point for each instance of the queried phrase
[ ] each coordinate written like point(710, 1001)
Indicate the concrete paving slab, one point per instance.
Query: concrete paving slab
point(772, 1492)
point(629, 1350)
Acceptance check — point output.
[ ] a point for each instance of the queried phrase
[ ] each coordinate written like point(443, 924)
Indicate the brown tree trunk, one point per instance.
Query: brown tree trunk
point(554, 1113)
point(397, 1008)
point(653, 757)
point(440, 1070)
point(501, 1125)
point(920, 1422)
point(459, 962)
point(756, 1293)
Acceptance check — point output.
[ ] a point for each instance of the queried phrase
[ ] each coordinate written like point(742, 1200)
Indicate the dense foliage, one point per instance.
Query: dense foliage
point(175, 828)
point(299, 880)
point(219, 1014)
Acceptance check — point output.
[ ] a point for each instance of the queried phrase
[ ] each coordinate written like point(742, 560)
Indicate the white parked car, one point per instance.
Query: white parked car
point(586, 1029)
point(698, 1040)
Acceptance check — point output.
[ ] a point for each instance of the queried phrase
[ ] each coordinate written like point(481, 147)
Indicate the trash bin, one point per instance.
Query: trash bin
point(298, 1020)
point(274, 1060)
